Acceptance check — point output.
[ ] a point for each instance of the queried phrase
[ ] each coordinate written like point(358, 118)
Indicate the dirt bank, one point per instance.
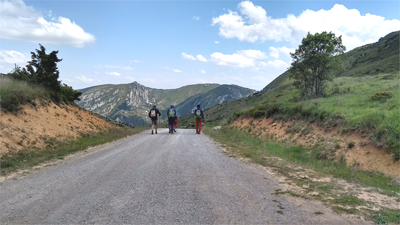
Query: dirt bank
point(356, 149)
point(33, 127)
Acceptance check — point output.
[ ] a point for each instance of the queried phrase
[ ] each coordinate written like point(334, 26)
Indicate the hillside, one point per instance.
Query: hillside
point(346, 110)
point(35, 127)
point(130, 103)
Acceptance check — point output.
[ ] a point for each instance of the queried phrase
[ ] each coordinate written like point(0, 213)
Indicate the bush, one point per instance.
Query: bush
point(12, 102)
point(68, 94)
point(381, 96)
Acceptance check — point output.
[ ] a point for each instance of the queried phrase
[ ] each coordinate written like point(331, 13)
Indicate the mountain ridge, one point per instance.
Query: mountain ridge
point(129, 103)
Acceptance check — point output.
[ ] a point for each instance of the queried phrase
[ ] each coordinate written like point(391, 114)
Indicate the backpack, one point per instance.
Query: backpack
point(198, 114)
point(171, 113)
point(153, 113)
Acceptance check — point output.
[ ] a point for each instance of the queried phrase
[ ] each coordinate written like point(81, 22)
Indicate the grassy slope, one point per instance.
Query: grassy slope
point(368, 69)
point(12, 96)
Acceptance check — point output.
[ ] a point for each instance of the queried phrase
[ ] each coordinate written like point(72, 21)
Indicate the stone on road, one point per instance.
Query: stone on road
point(155, 179)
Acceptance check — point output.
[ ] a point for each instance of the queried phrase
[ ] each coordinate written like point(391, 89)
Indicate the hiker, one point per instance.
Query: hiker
point(171, 113)
point(199, 118)
point(153, 114)
point(176, 120)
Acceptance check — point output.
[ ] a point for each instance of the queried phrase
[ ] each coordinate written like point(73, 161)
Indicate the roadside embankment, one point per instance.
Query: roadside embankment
point(33, 126)
point(355, 149)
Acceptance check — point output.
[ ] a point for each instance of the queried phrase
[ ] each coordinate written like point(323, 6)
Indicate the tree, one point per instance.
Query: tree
point(43, 69)
point(316, 56)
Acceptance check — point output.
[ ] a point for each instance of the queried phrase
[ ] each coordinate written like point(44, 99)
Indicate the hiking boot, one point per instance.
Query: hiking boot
point(151, 132)
point(156, 132)
point(174, 130)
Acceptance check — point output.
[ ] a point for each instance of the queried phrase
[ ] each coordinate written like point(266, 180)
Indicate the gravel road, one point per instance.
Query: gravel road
point(182, 178)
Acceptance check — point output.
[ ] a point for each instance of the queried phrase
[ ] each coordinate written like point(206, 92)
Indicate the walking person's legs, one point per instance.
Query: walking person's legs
point(200, 121)
point(171, 121)
point(198, 124)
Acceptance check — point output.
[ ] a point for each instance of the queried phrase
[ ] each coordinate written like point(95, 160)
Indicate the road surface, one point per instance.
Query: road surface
point(180, 178)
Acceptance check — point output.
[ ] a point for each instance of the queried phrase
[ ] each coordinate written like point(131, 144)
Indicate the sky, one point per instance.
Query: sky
point(170, 44)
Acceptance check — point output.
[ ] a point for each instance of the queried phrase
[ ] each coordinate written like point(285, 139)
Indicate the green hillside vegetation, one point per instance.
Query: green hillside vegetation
point(38, 79)
point(12, 96)
point(362, 98)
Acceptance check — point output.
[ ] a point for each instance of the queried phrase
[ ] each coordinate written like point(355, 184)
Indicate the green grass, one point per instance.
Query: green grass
point(264, 152)
point(347, 107)
point(386, 216)
point(245, 145)
point(28, 158)
point(14, 93)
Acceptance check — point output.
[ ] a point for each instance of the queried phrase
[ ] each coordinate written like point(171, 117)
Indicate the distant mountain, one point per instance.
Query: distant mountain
point(218, 95)
point(130, 103)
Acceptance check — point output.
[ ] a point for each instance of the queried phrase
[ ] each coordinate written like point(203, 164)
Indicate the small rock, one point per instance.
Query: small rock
point(217, 128)
point(397, 182)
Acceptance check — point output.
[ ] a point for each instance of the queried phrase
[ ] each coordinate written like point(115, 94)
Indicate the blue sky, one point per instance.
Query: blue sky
point(169, 44)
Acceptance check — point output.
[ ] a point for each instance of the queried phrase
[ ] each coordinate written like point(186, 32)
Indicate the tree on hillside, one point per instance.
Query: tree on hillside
point(315, 57)
point(42, 70)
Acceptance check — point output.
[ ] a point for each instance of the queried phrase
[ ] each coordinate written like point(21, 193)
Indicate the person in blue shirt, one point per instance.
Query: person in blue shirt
point(171, 114)
point(176, 120)
point(199, 119)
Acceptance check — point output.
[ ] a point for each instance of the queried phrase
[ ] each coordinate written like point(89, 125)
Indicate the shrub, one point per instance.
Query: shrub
point(381, 96)
point(351, 144)
point(12, 102)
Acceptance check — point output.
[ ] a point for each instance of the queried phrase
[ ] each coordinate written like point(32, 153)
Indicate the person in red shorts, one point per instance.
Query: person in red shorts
point(199, 119)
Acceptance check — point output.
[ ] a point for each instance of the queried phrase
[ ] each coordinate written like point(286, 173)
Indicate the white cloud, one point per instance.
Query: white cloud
point(8, 59)
point(196, 17)
point(234, 60)
point(186, 56)
point(135, 61)
point(274, 52)
point(241, 59)
point(254, 54)
point(201, 58)
point(21, 22)
point(286, 51)
point(114, 74)
point(202, 71)
point(174, 70)
point(177, 71)
point(84, 79)
point(12, 57)
point(216, 42)
point(253, 24)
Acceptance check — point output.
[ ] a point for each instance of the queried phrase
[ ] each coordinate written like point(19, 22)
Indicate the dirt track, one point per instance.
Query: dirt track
point(152, 179)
